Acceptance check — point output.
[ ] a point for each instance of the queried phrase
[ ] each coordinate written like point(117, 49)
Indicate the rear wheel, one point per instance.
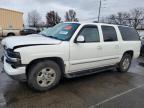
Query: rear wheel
point(125, 63)
point(44, 75)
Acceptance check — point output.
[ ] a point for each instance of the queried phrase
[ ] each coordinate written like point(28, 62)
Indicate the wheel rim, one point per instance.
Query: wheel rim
point(126, 63)
point(46, 77)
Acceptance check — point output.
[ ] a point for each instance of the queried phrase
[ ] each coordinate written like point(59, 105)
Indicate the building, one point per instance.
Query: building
point(10, 19)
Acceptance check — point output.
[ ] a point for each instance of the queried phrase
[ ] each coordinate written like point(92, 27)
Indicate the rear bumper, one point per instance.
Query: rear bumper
point(15, 73)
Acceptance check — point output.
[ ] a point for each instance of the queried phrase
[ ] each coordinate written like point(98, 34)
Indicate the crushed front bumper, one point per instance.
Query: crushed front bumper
point(18, 73)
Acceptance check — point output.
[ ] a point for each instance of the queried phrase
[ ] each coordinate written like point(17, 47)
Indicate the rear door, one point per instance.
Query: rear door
point(111, 45)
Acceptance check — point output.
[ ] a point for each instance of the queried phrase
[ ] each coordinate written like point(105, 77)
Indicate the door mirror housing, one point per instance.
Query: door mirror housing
point(80, 39)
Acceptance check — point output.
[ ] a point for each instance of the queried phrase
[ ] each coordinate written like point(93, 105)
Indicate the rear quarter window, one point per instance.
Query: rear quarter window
point(129, 34)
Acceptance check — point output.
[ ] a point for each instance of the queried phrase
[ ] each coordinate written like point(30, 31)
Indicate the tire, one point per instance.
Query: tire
point(44, 75)
point(125, 63)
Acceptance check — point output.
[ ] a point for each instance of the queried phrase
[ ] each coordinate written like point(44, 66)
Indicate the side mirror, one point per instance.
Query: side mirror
point(80, 39)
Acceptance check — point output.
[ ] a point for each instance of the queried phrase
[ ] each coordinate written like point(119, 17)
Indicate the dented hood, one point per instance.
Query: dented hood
point(29, 40)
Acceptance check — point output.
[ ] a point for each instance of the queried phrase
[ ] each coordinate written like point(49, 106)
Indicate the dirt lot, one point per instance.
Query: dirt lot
point(109, 89)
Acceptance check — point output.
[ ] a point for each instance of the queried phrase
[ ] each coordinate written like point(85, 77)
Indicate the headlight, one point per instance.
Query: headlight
point(10, 53)
point(13, 58)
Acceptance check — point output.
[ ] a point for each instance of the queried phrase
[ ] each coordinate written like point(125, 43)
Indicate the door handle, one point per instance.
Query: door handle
point(99, 47)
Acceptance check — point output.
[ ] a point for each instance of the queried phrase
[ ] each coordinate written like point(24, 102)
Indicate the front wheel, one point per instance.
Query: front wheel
point(44, 75)
point(125, 63)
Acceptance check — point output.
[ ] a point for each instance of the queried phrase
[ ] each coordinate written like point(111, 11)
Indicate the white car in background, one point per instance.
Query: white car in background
point(69, 50)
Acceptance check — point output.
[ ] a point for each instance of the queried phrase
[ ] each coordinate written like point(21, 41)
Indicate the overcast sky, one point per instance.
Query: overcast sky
point(86, 9)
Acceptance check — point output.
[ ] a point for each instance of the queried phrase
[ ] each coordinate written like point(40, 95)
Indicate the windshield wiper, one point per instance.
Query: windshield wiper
point(43, 35)
point(54, 37)
point(50, 37)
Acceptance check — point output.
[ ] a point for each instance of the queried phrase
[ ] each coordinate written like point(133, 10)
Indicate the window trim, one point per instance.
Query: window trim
point(92, 26)
point(114, 30)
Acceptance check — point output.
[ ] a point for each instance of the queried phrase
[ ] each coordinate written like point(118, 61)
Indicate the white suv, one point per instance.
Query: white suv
point(68, 50)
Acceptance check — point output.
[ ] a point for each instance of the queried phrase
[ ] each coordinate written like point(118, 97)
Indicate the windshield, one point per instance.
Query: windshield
point(62, 31)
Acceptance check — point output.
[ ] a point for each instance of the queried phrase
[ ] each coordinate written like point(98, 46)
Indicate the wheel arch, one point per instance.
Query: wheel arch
point(131, 52)
point(13, 34)
point(58, 60)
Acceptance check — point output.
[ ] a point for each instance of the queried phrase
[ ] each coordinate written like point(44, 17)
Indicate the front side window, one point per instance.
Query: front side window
point(62, 31)
point(128, 34)
point(90, 33)
point(109, 33)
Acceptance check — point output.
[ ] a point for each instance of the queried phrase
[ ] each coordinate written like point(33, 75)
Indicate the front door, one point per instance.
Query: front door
point(86, 55)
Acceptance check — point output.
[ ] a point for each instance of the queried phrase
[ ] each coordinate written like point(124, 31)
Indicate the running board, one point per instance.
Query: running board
point(88, 72)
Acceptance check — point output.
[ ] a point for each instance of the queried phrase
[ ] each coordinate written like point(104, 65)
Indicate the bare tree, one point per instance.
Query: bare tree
point(137, 17)
point(121, 18)
point(34, 18)
point(71, 16)
point(133, 18)
point(52, 18)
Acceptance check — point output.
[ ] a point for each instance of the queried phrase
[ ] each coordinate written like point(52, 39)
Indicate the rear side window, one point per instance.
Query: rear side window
point(109, 33)
point(128, 34)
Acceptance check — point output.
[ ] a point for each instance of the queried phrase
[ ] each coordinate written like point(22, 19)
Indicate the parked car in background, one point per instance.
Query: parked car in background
point(28, 31)
point(142, 37)
point(69, 50)
point(142, 45)
point(141, 34)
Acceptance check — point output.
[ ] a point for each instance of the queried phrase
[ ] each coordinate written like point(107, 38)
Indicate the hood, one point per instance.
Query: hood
point(29, 40)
